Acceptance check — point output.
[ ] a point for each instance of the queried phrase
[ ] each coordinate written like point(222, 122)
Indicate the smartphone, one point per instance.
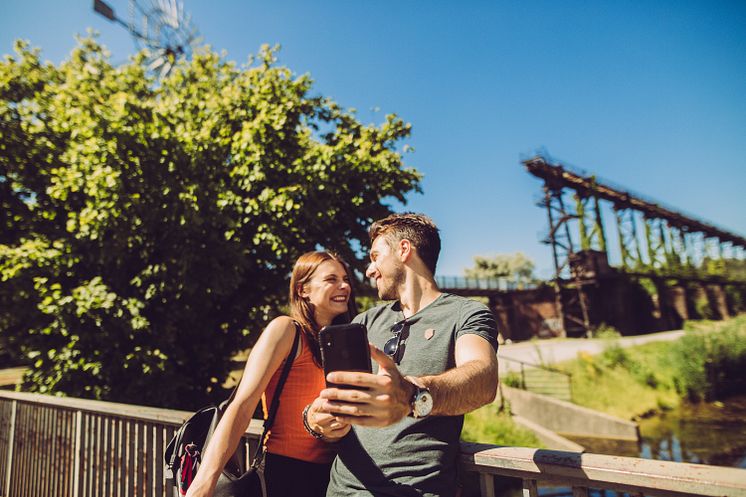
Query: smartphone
point(344, 347)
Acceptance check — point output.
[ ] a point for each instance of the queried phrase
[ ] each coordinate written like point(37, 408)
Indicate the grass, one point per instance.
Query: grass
point(608, 381)
point(658, 376)
point(490, 425)
point(635, 381)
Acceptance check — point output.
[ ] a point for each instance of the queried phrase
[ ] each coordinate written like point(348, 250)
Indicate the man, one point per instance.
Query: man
point(435, 356)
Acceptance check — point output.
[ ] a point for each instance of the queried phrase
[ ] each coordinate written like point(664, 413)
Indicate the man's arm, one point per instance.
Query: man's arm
point(383, 399)
point(468, 386)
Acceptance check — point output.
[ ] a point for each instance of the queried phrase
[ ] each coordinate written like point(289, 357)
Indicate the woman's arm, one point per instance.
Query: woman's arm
point(270, 350)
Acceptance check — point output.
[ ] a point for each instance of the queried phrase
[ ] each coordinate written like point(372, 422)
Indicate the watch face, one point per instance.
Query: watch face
point(423, 403)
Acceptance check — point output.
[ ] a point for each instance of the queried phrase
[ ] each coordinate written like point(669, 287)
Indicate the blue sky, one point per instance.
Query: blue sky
point(650, 95)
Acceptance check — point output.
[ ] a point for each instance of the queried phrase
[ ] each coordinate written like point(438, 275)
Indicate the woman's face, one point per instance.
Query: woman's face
point(328, 290)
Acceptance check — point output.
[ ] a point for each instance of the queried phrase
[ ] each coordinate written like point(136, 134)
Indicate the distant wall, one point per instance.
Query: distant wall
point(523, 314)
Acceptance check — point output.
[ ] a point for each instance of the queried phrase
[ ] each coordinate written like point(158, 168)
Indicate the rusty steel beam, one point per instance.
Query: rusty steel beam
point(560, 176)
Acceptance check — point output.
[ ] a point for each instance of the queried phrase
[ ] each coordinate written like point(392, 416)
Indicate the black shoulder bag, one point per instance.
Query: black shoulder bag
point(183, 453)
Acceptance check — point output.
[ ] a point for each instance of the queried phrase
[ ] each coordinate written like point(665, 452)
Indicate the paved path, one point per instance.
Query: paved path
point(563, 349)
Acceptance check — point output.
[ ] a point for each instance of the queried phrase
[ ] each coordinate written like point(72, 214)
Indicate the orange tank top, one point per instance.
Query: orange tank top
point(303, 384)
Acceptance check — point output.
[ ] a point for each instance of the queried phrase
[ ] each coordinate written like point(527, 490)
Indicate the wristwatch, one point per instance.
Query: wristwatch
point(422, 401)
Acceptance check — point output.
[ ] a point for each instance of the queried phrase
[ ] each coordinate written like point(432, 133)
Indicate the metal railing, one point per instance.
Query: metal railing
point(67, 447)
point(539, 379)
point(463, 283)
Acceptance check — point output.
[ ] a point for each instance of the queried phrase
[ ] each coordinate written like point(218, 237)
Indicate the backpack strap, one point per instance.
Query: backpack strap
point(259, 454)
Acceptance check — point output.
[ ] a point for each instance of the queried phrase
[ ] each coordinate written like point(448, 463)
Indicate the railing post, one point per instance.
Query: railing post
point(11, 441)
point(530, 488)
point(486, 485)
point(579, 492)
point(523, 378)
point(77, 452)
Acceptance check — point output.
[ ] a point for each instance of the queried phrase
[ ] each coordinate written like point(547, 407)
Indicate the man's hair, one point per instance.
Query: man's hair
point(417, 228)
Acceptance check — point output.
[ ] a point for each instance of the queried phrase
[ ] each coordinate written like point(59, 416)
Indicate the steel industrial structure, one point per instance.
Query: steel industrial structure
point(654, 240)
point(161, 27)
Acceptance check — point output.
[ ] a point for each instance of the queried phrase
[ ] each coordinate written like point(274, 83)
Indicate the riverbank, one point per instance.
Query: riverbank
point(707, 362)
point(703, 432)
point(632, 378)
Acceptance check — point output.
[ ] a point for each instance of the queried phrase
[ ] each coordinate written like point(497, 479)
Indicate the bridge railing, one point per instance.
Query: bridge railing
point(64, 447)
point(463, 283)
point(537, 378)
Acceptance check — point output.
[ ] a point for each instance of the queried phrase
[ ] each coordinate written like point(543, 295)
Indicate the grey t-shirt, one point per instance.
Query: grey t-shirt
point(414, 457)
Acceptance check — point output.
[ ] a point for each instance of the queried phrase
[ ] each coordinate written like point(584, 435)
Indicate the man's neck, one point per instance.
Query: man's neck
point(416, 293)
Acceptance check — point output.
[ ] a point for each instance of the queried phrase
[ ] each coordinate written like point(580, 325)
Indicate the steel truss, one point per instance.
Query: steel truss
point(654, 240)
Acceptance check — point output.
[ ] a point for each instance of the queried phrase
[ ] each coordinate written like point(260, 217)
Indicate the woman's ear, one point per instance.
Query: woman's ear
point(301, 289)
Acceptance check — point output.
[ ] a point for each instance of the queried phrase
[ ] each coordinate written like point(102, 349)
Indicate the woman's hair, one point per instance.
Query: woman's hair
point(302, 310)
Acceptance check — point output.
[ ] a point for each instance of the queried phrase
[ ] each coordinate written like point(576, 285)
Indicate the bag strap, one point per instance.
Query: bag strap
point(259, 454)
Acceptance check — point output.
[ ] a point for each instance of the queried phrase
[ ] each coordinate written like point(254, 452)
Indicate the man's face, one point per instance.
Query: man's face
point(386, 268)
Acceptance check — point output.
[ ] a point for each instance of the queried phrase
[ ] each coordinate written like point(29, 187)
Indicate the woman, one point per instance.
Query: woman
point(296, 463)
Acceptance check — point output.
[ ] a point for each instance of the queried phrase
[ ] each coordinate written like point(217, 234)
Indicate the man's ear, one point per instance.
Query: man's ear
point(405, 250)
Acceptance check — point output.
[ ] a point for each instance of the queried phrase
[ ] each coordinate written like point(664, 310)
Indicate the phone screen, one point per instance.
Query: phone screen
point(344, 347)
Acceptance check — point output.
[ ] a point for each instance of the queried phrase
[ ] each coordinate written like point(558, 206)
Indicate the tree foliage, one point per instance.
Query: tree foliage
point(147, 227)
point(516, 268)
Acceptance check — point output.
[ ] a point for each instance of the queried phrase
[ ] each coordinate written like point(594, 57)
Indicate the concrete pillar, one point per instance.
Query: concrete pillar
point(677, 300)
point(716, 297)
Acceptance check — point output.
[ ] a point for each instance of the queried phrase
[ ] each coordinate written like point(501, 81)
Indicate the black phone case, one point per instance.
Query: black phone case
point(344, 347)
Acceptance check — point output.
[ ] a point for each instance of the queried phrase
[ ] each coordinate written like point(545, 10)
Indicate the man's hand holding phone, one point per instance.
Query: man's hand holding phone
point(368, 399)
point(354, 395)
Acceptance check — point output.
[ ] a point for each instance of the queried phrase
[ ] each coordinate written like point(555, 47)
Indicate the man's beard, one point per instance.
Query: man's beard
point(391, 290)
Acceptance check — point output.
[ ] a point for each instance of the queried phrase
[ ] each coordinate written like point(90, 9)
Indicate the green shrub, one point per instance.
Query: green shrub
point(605, 331)
point(711, 364)
point(511, 380)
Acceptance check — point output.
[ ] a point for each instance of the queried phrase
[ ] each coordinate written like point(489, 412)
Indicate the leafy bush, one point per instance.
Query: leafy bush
point(711, 364)
point(605, 331)
point(511, 380)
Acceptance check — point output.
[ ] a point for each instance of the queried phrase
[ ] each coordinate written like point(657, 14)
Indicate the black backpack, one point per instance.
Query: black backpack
point(183, 454)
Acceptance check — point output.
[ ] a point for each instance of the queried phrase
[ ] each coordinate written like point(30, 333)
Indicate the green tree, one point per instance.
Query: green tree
point(148, 227)
point(516, 268)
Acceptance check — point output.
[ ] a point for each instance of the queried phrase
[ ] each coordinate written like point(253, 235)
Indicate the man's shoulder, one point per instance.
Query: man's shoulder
point(463, 305)
point(472, 317)
point(373, 313)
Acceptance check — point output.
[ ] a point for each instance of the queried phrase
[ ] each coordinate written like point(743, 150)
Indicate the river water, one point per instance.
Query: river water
point(704, 433)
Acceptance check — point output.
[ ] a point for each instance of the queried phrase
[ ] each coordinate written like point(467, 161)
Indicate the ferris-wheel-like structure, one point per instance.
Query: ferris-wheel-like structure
point(160, 27)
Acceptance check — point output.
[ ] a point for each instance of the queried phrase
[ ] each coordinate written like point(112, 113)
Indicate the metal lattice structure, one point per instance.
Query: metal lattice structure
point(160, 27)
point(654, 240)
